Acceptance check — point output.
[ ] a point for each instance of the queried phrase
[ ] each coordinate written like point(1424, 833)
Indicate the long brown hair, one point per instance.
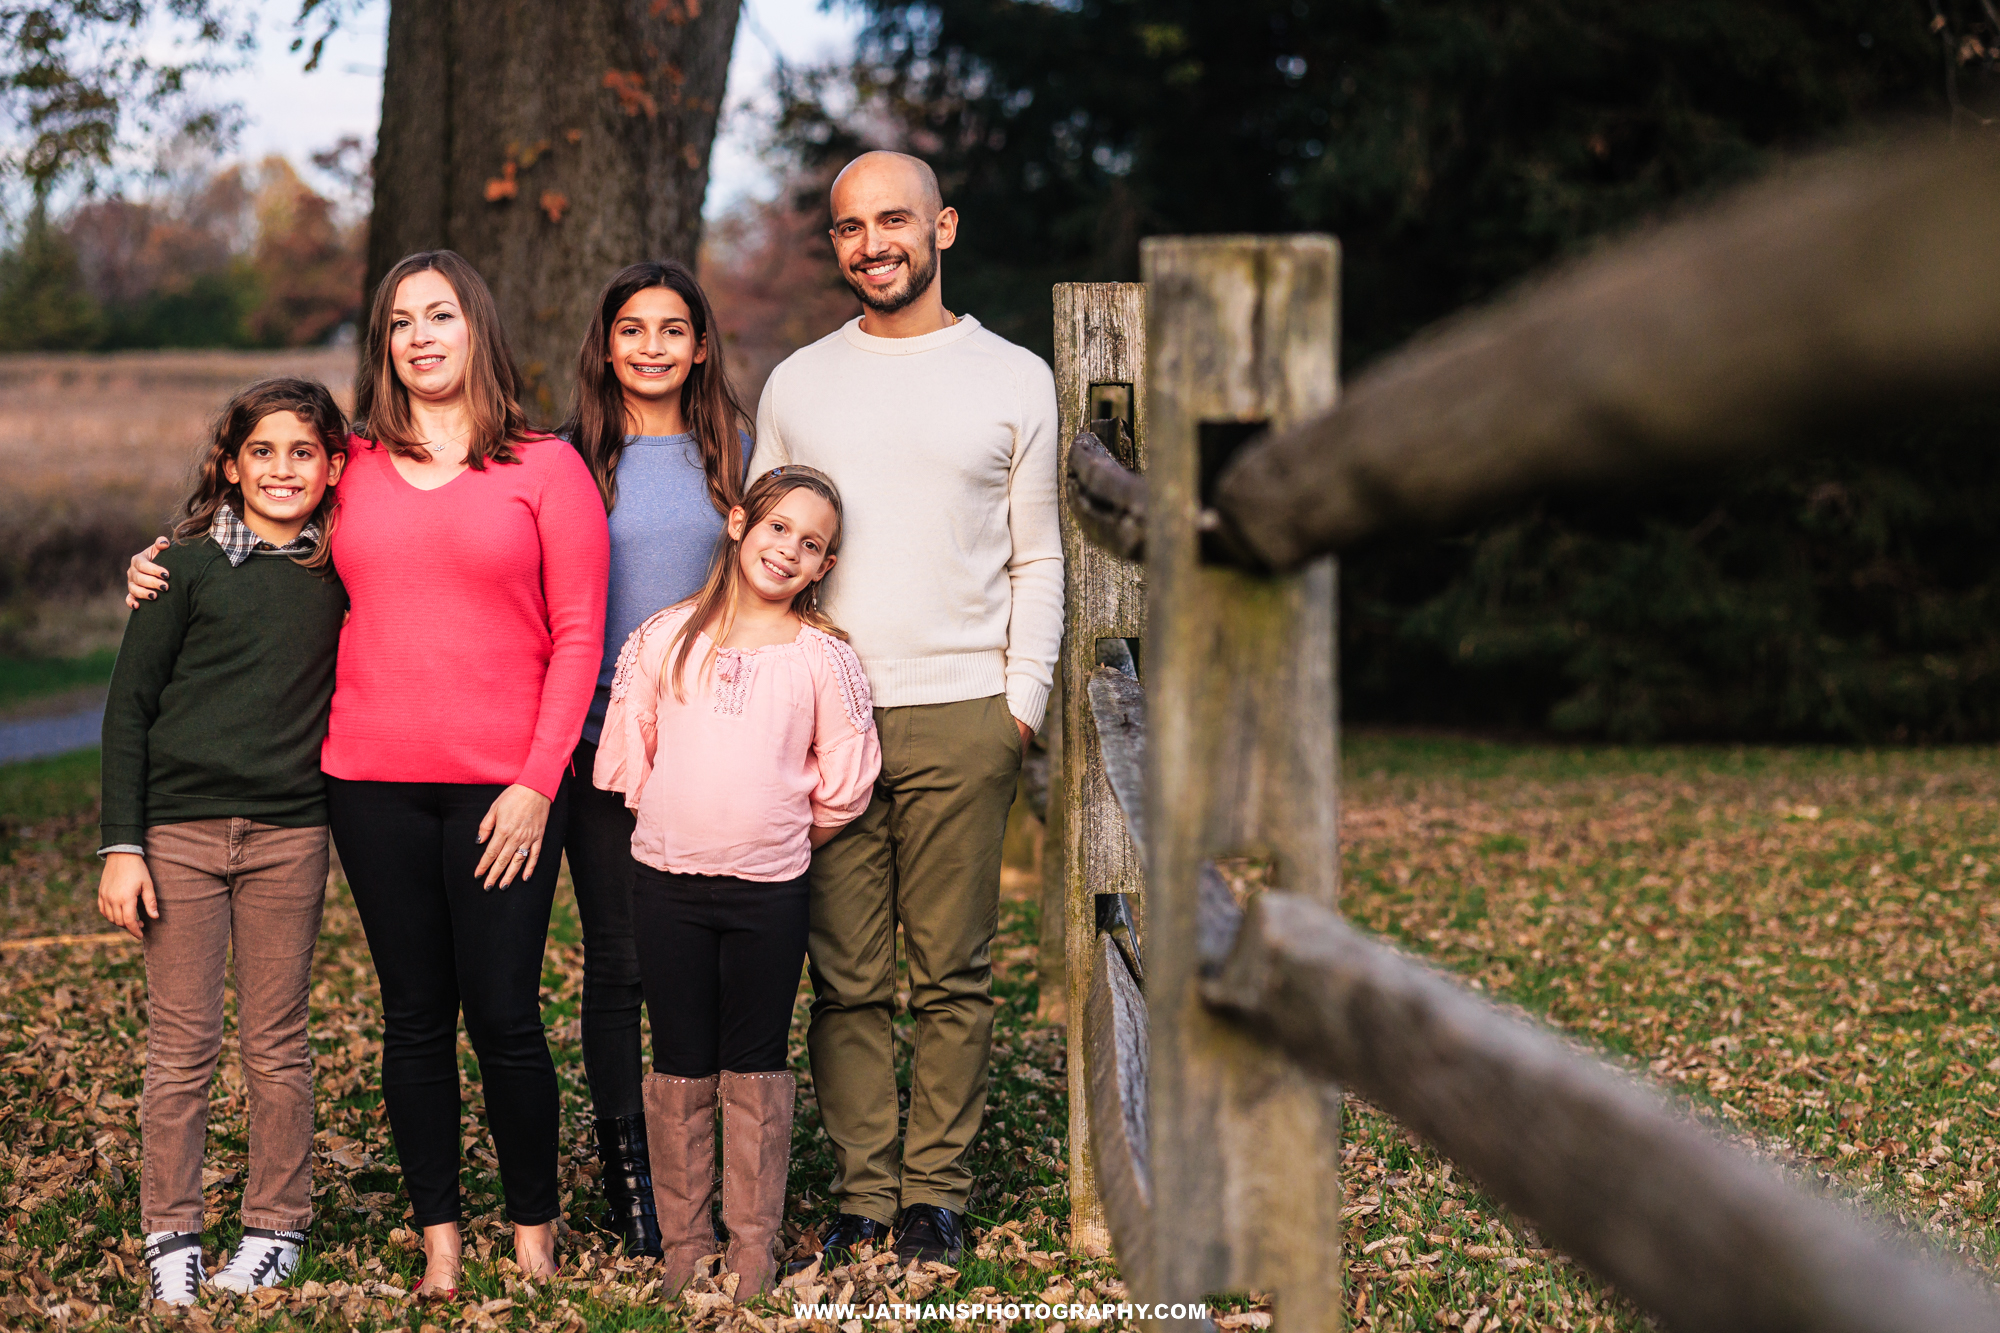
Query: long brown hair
point(492, 384)
point(716, 600)
point(230, 431)
point(598, 420)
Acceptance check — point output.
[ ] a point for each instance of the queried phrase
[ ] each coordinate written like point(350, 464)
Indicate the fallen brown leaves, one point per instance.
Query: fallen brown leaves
point(72, 1042)
point(1803, 943)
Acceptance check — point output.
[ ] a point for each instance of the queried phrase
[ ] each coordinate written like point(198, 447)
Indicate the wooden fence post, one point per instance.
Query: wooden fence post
point(1242, 761)
point(1100, 340)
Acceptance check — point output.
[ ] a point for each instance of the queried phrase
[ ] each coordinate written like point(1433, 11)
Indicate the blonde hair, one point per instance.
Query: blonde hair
point(716, 599)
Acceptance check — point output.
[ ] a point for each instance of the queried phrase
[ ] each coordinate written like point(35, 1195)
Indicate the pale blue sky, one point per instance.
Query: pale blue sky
point(294, 113)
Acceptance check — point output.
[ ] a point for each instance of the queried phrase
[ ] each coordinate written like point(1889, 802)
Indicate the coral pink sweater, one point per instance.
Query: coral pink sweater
point(768, 743)
point(477, 624)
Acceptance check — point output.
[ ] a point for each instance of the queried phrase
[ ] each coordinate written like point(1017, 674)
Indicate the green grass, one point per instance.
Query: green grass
point(23, 680)
point(48, 837)
point(43, 788)
point(1799, 943)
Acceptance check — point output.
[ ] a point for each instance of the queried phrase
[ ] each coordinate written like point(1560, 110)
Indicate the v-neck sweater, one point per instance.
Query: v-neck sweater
point(478, 619)
point(950, 577)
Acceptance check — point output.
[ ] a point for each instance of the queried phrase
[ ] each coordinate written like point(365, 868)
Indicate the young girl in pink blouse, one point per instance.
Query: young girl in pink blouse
point(741, 731)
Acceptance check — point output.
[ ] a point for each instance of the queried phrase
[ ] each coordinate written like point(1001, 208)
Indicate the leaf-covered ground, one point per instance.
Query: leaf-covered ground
point(72, 1041)
point(1802, 942)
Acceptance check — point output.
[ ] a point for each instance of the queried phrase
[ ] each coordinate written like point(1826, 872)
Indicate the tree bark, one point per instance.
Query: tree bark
point(550, 142)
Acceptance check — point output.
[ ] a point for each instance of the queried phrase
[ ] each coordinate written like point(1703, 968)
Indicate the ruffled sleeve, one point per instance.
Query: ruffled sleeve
point(626, 749)
point(847, 750)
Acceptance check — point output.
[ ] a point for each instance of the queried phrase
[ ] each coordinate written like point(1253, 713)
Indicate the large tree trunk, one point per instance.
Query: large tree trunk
point(550, 142)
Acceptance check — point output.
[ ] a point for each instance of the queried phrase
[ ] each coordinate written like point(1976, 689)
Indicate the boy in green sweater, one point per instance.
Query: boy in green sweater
point(214, 819)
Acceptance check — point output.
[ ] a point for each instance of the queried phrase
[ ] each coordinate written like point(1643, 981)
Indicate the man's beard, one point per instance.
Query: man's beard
point(920, 272)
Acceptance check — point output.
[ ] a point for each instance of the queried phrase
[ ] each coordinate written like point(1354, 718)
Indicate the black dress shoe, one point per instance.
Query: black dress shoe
point(848, 1230)
point(926, 1233)
point(628, 1184)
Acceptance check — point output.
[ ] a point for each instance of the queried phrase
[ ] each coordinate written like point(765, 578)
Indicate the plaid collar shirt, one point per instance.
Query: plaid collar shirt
point(239, 543)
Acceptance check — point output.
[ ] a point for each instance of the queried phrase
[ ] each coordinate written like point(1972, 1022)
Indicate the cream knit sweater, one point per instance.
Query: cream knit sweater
point(950, 576)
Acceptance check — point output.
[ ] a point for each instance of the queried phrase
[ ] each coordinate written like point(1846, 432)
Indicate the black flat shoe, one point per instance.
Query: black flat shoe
point(628, 1184)
point(848, 1230)
point(926, 1233)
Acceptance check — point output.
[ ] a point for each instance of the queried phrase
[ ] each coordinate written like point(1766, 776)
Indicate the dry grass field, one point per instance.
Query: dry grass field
point(94, 454)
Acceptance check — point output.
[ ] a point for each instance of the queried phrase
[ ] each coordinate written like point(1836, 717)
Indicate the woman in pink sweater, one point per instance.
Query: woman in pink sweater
point(741, 731)
point(474, 552)
point(461, 693)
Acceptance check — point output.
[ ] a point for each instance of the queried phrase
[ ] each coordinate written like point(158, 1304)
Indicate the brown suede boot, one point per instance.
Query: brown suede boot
point(680, 1134)
point(756, 1156)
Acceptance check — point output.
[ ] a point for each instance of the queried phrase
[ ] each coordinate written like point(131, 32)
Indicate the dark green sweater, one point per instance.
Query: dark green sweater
point(219, 699)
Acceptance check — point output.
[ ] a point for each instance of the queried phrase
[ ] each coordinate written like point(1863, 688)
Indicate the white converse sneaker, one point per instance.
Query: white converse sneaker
point(173, 1264)
point(263, 1259)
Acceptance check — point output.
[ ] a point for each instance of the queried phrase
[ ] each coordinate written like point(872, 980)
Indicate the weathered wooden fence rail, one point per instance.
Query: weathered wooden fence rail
point(1207, 1048)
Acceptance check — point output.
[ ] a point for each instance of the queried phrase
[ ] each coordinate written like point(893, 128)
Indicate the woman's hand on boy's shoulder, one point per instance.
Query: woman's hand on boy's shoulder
point(144, 579)
point(124, 890)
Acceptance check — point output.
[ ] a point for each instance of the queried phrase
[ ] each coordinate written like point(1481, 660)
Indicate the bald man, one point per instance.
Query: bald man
point(942, 439)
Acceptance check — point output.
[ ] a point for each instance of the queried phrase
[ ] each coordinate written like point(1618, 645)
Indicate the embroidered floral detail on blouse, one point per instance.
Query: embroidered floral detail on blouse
point(847, 673)
point(628, 656)
point(734, 670)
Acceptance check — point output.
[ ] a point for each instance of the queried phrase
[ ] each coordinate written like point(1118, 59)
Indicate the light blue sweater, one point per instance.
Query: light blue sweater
point(663, 532)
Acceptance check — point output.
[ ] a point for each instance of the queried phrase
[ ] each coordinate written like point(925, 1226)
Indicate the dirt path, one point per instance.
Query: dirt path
point(51, 725)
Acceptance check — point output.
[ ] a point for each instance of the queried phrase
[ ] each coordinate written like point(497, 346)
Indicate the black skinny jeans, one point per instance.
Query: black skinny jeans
point(598, 843)
point(440, 941)
point(720, 959)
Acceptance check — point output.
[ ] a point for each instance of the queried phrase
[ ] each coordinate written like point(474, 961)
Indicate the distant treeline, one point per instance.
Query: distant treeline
point(244, 257)
point(1849, 593)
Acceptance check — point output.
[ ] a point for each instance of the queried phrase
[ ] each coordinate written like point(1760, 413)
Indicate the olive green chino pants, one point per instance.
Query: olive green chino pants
point(925, 855)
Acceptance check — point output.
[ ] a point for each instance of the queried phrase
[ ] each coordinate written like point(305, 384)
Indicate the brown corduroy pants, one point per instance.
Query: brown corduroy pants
point(260, 889)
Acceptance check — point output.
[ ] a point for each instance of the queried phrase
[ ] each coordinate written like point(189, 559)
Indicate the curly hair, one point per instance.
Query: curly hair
point(310, 401)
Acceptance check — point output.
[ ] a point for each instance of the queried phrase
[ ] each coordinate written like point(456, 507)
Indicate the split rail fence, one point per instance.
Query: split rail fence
point(1209, 481)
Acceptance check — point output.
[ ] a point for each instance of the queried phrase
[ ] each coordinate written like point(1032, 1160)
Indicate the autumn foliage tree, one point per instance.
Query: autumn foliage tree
point(549, 141)
point(242, 257)
point(768, 267)
point(308, 263)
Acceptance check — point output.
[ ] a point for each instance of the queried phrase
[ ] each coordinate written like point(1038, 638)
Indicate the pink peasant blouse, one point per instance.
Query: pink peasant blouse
point(768, 743)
